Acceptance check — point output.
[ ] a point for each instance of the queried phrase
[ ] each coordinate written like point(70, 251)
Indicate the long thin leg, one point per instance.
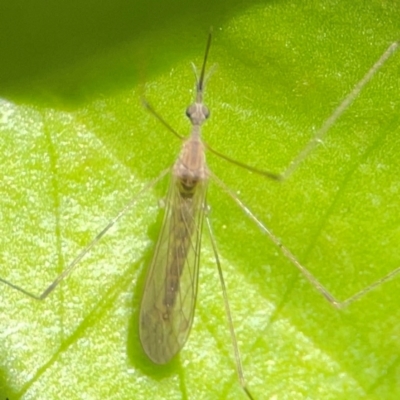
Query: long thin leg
point(316, 140)
point(238, 360)
point(82, 254)
point(292, 258)
point(343, 106)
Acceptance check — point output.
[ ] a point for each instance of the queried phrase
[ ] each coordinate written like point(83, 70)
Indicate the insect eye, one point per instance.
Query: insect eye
point(205, 111)
point(189, 111)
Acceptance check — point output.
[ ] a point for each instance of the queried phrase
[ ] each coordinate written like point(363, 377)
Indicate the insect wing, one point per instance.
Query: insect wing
point(169, 298)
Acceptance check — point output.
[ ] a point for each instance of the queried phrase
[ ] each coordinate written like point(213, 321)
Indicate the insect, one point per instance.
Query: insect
point(168, 302)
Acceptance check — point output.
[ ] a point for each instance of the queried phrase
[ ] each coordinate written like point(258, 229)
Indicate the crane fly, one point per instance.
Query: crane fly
point(169, 298)
point(168, 302)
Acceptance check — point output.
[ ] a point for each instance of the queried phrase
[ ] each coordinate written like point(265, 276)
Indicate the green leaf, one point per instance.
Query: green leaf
point(76, 145)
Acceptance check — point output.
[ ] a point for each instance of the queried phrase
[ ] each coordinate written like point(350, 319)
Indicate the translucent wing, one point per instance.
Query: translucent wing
point(169, 299)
